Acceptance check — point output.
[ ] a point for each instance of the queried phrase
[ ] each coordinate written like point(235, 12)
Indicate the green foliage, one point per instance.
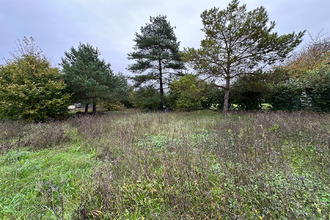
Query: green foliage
point(238, 42)
point(31, 89)
point(249, 91)
point(90, 79)
point(156, 54)
point(311, 91)
point(317, 88)
point(42, 185)
point(214, 97)
point(191, 93)
point(282, 91)
point(286, 95)
point(187, 93)
point(146, 98)
point(303, 83)
point(113, 106)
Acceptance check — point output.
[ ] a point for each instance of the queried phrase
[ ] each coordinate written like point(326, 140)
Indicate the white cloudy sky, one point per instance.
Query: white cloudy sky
point(110, 25)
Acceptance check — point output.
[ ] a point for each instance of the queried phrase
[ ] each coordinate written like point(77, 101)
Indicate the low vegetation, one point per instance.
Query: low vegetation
point(196, 165)
point(270, 163)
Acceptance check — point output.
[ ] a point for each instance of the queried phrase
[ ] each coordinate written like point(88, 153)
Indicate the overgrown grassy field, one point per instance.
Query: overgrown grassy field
point(197, 165)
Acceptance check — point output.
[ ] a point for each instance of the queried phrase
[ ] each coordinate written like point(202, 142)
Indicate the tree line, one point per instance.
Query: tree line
point(241, 63)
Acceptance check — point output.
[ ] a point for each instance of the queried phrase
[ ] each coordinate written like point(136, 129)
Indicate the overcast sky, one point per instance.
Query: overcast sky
point(110, 25)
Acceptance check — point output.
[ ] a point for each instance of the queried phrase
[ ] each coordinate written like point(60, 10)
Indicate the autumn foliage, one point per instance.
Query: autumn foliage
point(31, 89)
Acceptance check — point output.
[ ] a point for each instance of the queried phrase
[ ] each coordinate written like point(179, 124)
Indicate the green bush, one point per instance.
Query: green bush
point(147, 98)
point(213, 97)
point(317, 88)
point(32, 90)
point(310, 91)
point(249, 91)
point(113, 106)
point(186, 93)
point(286, 95)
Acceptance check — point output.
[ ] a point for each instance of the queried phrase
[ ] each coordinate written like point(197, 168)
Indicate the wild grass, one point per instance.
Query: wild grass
point(198, 165)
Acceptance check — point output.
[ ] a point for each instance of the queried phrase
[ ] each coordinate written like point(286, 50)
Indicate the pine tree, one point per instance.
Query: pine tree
point(156, 53)
point(238, 42)
point(90, 79)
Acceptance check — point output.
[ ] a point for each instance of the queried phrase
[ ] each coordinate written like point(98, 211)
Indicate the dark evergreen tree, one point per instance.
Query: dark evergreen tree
point(156, 53)
point(238, 42)
point(90, 79)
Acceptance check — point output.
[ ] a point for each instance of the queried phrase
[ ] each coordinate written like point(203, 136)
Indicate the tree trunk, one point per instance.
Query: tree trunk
point(161, 89)
point(226, 99)
point(86, 108)
point(94, 108)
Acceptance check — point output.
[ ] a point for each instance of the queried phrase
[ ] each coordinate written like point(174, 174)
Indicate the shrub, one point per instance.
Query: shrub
point(146, 98)
point(286, 95)
point(186, 93)
point(213, 97)
point(317, 88)
point(31, 89)
point(311, 91)
point(249, 91)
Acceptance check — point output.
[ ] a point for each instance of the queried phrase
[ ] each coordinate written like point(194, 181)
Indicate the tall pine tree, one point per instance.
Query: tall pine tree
point(156, 53)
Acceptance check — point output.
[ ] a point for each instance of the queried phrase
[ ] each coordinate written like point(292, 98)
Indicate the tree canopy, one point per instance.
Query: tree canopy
point(156, 53)
point(30, 88)
point(89, 78)
point(238, 42)
point(187, 93)
point(312, 56)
